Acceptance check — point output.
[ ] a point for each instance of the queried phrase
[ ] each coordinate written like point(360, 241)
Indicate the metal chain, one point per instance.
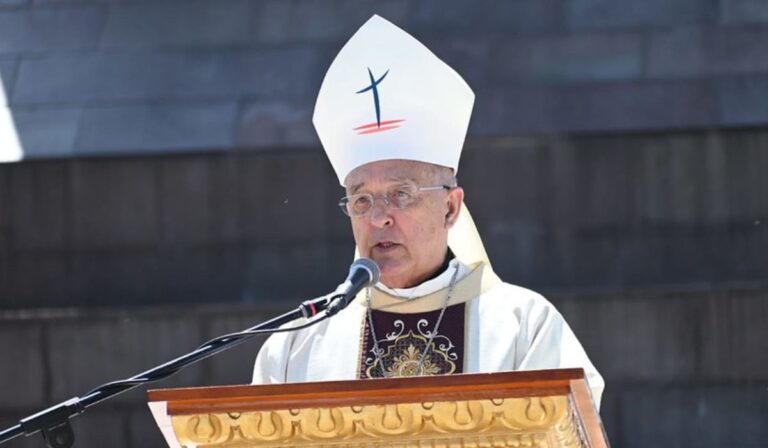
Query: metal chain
point(432, 335)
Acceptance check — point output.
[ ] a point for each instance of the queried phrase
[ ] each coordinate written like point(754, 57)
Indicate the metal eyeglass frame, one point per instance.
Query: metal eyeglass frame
point(343, 202)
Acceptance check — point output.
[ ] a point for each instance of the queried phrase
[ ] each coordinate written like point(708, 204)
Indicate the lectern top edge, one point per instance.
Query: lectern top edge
point(375, 391)
point(234, 391)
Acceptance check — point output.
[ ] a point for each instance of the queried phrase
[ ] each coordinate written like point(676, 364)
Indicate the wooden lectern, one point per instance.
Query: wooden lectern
point(545, 408)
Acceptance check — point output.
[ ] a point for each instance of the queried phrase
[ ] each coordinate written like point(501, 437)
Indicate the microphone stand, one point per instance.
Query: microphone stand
point(54, 421)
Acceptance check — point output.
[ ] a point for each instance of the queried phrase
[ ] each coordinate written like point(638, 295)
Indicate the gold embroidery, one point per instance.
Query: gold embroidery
point(403, 353)
point(407, 364)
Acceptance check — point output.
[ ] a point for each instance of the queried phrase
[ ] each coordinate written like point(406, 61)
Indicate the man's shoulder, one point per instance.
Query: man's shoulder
point(509, 294)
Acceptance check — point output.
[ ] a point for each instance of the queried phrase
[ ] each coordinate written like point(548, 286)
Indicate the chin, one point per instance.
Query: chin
point(389, 266)
point(394, 278)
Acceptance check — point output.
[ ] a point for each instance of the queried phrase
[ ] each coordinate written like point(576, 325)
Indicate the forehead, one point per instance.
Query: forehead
point(387, 171)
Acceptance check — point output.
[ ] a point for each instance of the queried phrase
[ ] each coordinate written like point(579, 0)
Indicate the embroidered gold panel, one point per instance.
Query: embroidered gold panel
point(512, 422)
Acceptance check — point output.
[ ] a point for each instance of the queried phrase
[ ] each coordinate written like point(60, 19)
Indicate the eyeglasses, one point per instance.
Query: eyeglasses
point(400, 197)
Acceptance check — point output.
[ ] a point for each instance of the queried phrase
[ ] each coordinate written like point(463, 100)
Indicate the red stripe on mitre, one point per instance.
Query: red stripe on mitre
point(375, 130)
point(374, 124)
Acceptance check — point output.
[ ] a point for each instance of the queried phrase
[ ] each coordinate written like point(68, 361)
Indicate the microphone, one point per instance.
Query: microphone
point(362, 273)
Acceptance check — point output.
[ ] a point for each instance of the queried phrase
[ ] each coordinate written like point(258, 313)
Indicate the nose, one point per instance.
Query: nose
point(379, 215)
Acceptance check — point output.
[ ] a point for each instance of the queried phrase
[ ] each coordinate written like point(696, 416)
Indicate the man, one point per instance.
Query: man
point(392, 118)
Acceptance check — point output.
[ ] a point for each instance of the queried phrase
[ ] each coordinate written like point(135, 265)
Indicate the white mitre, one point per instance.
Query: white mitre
point(423, 104)
point(386, 96)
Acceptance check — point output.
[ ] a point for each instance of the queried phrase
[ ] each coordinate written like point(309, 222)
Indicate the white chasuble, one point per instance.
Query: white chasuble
point(507, 328)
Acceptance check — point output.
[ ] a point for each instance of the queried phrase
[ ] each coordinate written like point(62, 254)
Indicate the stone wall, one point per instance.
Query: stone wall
point(587, 213)
point(88, 77)
point(615, 162)
point(51, 356)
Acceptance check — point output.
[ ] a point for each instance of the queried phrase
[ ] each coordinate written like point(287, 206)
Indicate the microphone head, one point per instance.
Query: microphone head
point(362, 272)
point(370, 266)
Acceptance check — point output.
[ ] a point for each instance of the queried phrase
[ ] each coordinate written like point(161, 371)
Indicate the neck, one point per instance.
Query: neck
point(432, 273)
point(440, 269)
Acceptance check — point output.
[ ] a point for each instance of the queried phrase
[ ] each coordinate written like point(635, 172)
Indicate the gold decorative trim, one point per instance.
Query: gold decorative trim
point(512, 422)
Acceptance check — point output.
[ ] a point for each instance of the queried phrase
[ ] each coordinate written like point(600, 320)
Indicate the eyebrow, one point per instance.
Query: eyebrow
point(354, 188)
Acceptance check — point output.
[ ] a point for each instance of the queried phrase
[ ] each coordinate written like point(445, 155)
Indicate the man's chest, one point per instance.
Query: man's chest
point(399, 345)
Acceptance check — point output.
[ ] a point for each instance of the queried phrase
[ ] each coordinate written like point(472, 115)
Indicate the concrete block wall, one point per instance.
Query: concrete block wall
point(588, 213)
point(615, 161)
point(87, 77)
point(50, 356)
point(682, 368)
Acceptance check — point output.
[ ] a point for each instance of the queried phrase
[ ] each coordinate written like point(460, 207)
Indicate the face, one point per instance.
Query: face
point(409, 244)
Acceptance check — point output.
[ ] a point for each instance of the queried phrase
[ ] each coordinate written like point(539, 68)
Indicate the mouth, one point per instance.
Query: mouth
point(385, 245)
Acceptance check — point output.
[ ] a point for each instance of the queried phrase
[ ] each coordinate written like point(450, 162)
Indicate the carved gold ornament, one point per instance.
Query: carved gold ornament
point(509, 422)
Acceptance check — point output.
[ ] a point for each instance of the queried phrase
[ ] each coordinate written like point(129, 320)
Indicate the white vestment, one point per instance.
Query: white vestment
point(507, 328)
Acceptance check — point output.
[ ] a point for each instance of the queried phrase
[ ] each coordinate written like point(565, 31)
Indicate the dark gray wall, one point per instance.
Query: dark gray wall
point(98, 77)
point(616, 212)
point(615, 161)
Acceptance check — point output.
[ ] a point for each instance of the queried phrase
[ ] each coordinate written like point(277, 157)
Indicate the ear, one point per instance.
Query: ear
point(455, 199)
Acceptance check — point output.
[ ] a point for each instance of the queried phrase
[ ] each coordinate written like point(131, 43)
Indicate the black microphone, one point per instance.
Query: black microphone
point(362, 273)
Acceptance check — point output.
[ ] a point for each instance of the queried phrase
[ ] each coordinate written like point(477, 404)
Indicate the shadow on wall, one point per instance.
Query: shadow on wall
point(10, 146)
